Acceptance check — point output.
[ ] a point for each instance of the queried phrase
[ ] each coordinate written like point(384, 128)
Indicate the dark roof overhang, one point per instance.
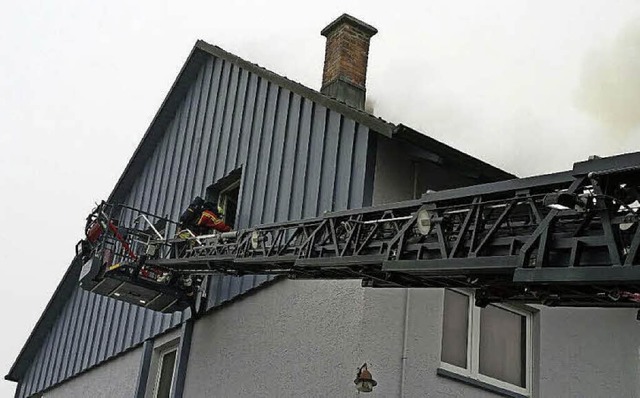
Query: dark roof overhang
point(449, 157)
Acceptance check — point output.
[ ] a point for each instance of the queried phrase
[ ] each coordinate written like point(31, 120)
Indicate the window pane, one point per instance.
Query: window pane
point(502, 345)
point(166, 375)
point(455, 328)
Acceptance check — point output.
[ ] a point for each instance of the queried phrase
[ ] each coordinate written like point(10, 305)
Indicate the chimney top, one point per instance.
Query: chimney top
point(346, 56)
point(348, 19)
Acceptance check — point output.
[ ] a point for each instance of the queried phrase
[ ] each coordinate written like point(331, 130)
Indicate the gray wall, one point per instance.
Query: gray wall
point(404, 172)
point(114, 379)
point(232, 118)
point(589, 353)
point(228, 118)
point(306, 338)
point(294, 338)
point(89, 330)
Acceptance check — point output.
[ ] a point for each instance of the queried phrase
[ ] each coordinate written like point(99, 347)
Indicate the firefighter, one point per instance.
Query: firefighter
point(202, 217)
point(210, 218)
point(189, 218)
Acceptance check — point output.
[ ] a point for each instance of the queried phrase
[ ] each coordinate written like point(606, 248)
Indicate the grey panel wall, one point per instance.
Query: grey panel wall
point(90, 330)
point(115, 379)
point(298, 159)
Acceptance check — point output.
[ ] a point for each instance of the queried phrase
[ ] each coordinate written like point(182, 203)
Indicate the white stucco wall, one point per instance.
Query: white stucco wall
point(589, 353)
point(294, 338)
point(116, 378)
point(306, 338)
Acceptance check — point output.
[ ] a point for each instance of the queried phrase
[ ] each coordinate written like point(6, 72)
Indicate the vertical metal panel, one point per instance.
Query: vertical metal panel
point(298, 159)
point(250, 166)
point(256, 209)
point(114, 328)
point(195, 177)
point(58, 331)
point(236, 124)
point(106, 331)
point(40, 364)
point(47, 357)
point(166, 192)
point(329, 159)
point(275, 169)
point(249, 110)
point(78, 328)
point(85, 331)
point(314, 169)
point(221, 104)
point(301, 161)
point(344, 164)
point(187, 166)
point(358, 168)
point(177, 154)
point(227, 120)
point(290, 143)
point(70, 318)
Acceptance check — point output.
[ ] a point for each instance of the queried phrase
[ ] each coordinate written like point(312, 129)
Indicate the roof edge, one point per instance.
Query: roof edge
point(379, 125)
point(196, 59)
point(174, 95)
point(488, 172)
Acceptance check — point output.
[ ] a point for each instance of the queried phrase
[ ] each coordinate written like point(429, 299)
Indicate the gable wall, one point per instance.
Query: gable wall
point(402, 174)
point(298, 158)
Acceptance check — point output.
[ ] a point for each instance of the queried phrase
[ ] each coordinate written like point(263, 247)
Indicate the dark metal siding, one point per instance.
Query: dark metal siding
point(299, 159)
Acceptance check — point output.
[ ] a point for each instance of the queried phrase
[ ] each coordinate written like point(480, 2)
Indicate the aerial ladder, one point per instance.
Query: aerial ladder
point(564, 239)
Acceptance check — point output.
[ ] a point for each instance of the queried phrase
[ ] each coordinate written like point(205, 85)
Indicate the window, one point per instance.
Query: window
point(228, 202)
point(225, 194)
point(166, 371)
point(491, 345)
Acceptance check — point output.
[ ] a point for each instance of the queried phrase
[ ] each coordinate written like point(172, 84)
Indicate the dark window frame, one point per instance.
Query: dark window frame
point(219, 191)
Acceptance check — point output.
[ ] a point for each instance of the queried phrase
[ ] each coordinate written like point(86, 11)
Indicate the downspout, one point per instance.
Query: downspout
point(405, 338)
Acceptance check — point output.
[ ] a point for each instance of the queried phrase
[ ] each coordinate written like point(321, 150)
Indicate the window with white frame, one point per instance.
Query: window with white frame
point(491, 344)
point(167, 359)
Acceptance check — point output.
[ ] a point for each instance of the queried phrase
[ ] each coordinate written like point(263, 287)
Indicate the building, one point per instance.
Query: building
point(276, 150)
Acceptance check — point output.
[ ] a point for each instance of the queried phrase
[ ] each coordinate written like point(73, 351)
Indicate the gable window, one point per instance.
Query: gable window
point(228, 202)
point(491, 345)
point(166, 372)
point(225, 194)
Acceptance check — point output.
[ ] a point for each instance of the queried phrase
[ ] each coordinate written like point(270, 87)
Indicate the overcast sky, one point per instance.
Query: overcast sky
point(530, 86)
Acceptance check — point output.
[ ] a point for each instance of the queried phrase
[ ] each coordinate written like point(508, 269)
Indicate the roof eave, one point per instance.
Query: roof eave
point(486, 172)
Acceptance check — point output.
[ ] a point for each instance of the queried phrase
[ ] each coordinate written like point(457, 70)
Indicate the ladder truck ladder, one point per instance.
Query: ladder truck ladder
point(563, 239)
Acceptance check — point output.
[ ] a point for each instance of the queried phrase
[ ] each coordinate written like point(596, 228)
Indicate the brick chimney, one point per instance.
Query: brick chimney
point(345, 60)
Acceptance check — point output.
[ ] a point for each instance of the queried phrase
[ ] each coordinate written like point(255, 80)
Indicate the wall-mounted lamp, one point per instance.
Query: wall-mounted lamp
point(364, 381)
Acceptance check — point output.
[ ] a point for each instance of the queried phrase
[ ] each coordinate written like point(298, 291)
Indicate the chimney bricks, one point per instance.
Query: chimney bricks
point(345, 63)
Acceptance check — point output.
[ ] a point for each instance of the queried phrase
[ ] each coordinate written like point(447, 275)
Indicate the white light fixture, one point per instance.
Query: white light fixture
point(116, 294)
point(255, 240)
point(423, 221)
point(364, 381)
